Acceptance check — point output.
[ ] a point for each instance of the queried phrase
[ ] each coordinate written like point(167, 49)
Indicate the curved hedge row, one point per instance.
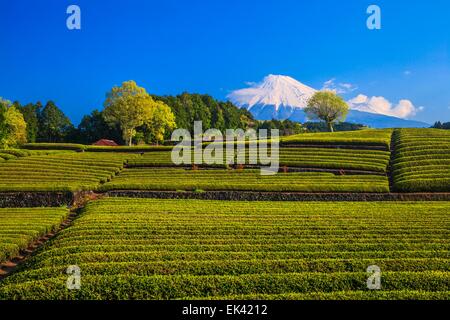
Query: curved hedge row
point(59, 171)
point(191, 249)
point(19, 227)
point(421, 162)
point(324, 158)
point(367, 137)
point(242, 180)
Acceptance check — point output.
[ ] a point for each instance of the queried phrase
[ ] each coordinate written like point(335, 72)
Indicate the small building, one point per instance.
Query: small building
point(105, 143)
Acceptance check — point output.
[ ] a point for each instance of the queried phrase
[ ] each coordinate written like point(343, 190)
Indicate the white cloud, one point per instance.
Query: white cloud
point(380, 105)
point(339, 88)
point(407, 72)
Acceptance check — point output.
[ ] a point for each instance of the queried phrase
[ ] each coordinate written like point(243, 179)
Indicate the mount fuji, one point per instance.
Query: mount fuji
point(282, 97)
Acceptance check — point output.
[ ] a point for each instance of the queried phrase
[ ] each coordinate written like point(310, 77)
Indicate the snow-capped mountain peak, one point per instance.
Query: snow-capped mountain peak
point(274, 90)
point(282, 97)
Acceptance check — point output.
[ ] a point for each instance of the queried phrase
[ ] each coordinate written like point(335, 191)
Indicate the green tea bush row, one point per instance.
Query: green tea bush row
point(369, 137)
point(19, 227)
point(421, 162)
point(197, 249)
point(60, 171)
point(369, 160)
point(53, 146)
point(248, 180)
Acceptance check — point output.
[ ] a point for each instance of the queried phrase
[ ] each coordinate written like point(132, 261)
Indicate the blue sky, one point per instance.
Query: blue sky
point(217, 46)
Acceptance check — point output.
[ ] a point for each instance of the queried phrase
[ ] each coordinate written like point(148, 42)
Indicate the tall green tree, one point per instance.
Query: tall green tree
point(12, 125)
point(130, 106)
point(30, 114)
point(53, 124)
point(160, 124)
point(327, 106)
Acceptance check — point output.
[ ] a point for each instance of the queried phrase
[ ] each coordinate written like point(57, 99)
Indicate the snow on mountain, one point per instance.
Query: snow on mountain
point(275, 90)
point(282, 97)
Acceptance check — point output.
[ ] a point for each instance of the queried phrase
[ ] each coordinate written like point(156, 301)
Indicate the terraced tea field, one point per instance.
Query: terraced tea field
point(242, 180)
point(60, 171)
point(368, 137)
point(320, 158)
point(422, 160)
point(20, 226)
point(193, 249)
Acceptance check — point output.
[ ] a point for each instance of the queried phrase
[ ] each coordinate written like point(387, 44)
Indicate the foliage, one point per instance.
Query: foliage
point(327, 106)
point(68, 171)
point(160, 124)
point(54, 146)
point(93, 127)
point(213, 113)
point(243, 180)
point(341, 126)
point(54, 126)
point(20, 226)
point(130, 106)
point(191, 249)
point(323, 158)
point(286, 127)
point(12, 125)
point(30, 114)
point(440, 125)
point(367, 137)
point(421, 160)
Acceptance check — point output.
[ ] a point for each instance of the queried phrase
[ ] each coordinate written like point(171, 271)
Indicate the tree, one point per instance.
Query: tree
point(53, 126)
point(93, 127)
point(30, 114)
point(440, 125)
point(327, 106)
point(161, 121)
point(286, 127)
point(12, 125)
point(213, 113)
point(130, 106)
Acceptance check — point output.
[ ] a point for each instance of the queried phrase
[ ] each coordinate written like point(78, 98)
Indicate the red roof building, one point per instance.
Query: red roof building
point(105, 143)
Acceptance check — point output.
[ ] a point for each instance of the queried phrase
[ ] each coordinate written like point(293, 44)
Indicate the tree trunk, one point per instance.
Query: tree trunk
point(130, 141)
point(330, 126)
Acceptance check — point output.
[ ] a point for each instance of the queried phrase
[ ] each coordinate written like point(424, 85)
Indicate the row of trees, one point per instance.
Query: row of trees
point(440, 125)
point(131, 115)
point(213, 113)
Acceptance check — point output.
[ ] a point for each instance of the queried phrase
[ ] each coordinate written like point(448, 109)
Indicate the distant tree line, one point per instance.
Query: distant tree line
point(131, 115)
point(285, 127)
point(440, 125)
point(340, 126)
point(188, 108)
point(12, 125)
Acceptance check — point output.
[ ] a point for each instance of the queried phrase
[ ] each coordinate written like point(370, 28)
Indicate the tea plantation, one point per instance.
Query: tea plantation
point(243, 180)
point(138, 248)
point(20, 226)
point(179, 249)
point(422, 160)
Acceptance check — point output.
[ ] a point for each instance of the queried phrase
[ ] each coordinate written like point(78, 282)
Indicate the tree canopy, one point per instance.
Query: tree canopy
point(213, 113)
point(12, 125)
point(53, 124)
point(327, 106)
point(130, 106)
